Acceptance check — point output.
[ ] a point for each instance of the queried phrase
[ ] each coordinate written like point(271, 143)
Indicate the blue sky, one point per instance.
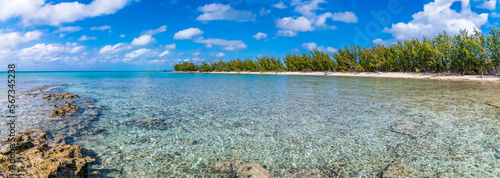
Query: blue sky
point(97, 35)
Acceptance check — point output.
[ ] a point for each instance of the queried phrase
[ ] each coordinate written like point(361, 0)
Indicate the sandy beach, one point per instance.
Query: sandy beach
point(432, 76)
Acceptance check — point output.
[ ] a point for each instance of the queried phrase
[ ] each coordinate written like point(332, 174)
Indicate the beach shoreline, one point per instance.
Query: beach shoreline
point(403, 75)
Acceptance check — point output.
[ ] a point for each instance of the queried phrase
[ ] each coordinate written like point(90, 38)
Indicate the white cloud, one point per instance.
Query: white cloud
point(309, 46)
point(164, 53)
point(495, 15)
point(12, 39)
point(33, 12)
point(280, 5)
point(122, 36)
point(196, 53)
point(170, 46)
point(62, 35)
point(108, 49)
point(143, 40)
point(221, 54)
point(263, 11)
point(156, 31)
point(69, 29)
point(289, 33)
point(187, 33)
point(223, 12)
point(229, 45)
point(347, 17)
point(300, 24)
point(308, 8)
point(260, 35)
point(490, 5)
point(102, 28)
point(136, 54)
point(49, 52)
point(312, 46)
point(309, 21)
point(86, 38)
point(426, 23)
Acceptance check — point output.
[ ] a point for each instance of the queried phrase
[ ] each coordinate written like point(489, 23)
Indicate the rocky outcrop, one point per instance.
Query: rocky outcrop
point(59, 95)
point(65, 109)
point(38, 156)
point(238, 168)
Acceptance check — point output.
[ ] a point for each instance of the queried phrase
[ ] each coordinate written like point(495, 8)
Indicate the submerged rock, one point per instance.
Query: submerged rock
point(149, 123)
point(397, 169)
point(38, 156)
point(239, 168)
point(409, 129)
point(65, 109)
point(495, 104)
point(189, 142)
point(312, 173)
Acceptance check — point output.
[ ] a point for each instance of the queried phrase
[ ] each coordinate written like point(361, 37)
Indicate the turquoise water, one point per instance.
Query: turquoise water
point(283, 122)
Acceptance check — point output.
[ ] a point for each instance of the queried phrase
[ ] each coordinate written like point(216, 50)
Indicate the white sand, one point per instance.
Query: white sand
point(409, 75)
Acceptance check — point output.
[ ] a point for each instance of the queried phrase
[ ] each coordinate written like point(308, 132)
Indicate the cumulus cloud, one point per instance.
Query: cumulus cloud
point(425, 23)
point(49, 52)
point(170, 46)
point(164, 53)
point(34, 12)
point(301, 24)
point(495, 15)
point(156, 31)
point(347, 17)
point(490, 5)
point(122, 36)
point(228, 45)
point(87, 38)
point(187, 34)
point(309, 21)
point(221, 54)
point(109, 49)
point(143, 40)
point(312, 46)
point(136, 54)
point(288, 33)
point(223, 12)
point(12, 39)
point(280, 5)
point(68, 29)
point(101, 28)
point(260, 35)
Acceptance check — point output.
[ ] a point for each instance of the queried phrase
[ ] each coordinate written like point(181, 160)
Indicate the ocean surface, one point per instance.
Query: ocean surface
point(156, 124)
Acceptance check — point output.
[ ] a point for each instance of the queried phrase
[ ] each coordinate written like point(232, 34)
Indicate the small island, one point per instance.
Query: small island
point(463, 56)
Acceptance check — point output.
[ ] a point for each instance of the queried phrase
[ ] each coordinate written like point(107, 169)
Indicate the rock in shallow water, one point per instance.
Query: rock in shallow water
point(38, 156)
point(410, 129)
point(397, 169)
point(238, 168)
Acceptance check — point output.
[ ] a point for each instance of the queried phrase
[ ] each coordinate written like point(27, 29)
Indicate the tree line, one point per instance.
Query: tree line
point(464, 53)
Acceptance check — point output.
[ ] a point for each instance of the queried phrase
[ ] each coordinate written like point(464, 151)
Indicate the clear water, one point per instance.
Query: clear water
point(282, 122)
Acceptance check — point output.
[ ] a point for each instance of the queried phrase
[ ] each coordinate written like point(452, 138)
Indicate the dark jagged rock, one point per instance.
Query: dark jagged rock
point(39, 156)
point(238, 168)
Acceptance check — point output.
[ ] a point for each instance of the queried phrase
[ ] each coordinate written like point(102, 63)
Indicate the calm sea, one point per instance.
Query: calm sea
point(154, 124)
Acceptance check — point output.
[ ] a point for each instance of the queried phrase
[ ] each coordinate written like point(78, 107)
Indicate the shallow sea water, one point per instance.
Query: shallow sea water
point(282, 122)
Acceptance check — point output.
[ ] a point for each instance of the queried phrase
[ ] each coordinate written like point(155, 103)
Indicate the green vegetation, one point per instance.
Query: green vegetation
point(463, 53)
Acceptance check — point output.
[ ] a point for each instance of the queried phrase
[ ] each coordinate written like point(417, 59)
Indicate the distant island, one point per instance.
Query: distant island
point(461, 54)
